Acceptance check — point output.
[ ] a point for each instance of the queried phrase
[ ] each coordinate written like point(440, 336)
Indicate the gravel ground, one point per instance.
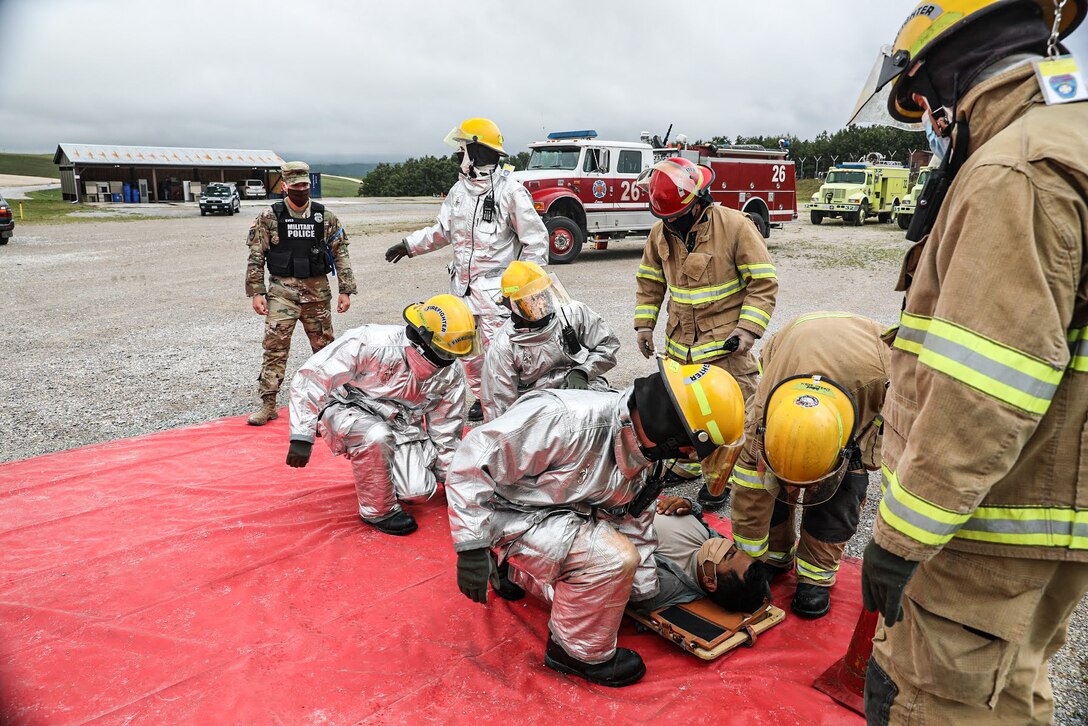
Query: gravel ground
point(118, 329)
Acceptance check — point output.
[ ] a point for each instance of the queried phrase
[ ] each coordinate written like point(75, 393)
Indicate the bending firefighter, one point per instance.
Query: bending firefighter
point(980, 549)
point(549, 341)
point(556, 490)
point(814, 429)
point(721, 283)
point(391, 399)
point(301, 242)
point(489, 219)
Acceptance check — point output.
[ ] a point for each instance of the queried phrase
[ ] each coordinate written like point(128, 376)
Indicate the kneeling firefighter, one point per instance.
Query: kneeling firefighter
point(549, 341)
point(391, 399)
point(980, 548)
point(815, 429)
point(556, 490)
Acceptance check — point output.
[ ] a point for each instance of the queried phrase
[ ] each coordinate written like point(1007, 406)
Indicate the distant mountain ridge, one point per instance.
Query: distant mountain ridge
point(357, 170)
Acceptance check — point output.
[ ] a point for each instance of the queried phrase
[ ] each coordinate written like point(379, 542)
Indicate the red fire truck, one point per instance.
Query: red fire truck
point(585, 188)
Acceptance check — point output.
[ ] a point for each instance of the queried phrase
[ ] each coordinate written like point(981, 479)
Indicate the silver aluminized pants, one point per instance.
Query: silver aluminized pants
point(591, 592)
point(386, 465)
point(489, 317)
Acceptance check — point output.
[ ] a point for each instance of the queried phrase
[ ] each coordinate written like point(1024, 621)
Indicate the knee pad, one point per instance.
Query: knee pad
point(836, 520)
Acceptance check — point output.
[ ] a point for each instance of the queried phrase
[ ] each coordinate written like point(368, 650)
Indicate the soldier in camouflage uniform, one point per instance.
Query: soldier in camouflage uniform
point(283, 238)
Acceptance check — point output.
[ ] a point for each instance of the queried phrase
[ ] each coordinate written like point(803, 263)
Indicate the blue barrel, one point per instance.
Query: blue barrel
point(117, 197)
point(127, 192)
point(135, 195)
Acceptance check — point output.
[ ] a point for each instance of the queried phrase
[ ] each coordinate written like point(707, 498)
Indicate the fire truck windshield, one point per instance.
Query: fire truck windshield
point(555, 157)
point(846, 177)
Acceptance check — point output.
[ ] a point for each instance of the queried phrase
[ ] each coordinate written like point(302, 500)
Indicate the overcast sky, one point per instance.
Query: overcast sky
point(366, 81)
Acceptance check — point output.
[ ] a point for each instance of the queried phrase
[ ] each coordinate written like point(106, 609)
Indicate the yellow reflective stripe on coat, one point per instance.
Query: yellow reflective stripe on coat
point(812, 572)
point(647, 311)
point(997, 370)
point(650, 273)
point(1078, 349)
point(1030, 526)
point(703, 295)
point(698, 353)
point(753, 547)
point(745, 477)
point(761, 271)
point(917, 518)
point(755, 315)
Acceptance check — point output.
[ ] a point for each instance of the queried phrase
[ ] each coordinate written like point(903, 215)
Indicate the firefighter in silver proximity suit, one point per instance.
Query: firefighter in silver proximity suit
point(391, 399)
point(556, 489)
point(489, 219)
point(549, 341)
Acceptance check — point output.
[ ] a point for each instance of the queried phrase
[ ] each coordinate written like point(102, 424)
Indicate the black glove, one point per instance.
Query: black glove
point(884, 575)
point(578, 380)
point(473, 571)
point(396, 252)
point(299, 453)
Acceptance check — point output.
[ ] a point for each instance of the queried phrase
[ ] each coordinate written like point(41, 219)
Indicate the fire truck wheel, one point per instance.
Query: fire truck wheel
point(761, 224)
point(858, 217)
point(815, 217)
point(903, 220)
point(565, 240)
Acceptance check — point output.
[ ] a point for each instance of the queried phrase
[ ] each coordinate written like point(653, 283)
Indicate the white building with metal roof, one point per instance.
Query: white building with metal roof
point(101, 172)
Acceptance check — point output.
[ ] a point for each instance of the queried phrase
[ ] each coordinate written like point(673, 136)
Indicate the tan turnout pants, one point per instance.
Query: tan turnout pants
point(974, 642)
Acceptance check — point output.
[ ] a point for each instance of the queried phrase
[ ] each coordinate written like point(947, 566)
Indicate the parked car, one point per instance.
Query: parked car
point(7, 221)
point(253, 189)
point(218, 197)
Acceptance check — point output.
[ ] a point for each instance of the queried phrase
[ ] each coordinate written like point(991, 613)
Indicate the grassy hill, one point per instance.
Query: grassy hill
point(28, 165)
point(334, 187)
point(357, 170)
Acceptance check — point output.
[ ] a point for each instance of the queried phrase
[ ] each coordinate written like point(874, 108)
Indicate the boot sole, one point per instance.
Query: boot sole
point(810, 614)
point(557, 666)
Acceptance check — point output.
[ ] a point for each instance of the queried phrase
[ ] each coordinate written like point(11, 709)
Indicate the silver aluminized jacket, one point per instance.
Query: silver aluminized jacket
point(399, 423)
point(482, 250)
point(520, 360)
point(545, 484)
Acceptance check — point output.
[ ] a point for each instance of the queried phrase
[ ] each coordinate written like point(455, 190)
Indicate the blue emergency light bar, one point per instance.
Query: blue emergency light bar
point(586, 134)
point(851, 165)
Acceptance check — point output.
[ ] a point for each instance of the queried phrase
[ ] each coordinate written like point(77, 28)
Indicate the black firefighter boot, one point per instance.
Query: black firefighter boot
point(476, 412)
point(622, 669)
point(811, 601)
point(709, 501)
point(398, 525)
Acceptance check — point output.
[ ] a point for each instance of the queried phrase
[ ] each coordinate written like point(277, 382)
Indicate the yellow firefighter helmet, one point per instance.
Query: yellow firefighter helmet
point(446, 325)
point(479, 131)
point(709, 402)
point(926, 27)
point(807, 436)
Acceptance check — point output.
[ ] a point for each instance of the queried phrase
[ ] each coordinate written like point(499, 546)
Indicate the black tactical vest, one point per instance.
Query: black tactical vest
point(301, 251)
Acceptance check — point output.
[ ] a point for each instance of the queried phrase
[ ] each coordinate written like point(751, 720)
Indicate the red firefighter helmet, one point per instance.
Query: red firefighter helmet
point(674, 184)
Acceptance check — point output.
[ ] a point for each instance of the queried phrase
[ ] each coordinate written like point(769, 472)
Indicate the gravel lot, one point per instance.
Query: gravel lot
point(117, 329)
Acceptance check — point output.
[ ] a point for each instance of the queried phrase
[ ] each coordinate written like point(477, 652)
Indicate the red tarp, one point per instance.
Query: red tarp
point(191, 576)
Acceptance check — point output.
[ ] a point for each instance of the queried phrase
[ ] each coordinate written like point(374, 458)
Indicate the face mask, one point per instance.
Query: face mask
point(937, 143)
point(298, 197)
point(421, 367)
point(466, 161)
point(526, 324)
point(711, 554)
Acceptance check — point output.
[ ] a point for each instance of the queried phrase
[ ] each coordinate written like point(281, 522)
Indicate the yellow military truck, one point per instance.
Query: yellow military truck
point(905, 211)
point(854, 192)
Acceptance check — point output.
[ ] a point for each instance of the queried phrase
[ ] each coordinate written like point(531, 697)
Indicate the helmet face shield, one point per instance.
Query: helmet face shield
point(872, 106)
point(538, 299)
point(802, 494)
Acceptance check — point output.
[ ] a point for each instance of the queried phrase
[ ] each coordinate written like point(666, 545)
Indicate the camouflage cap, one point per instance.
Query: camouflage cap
point(296, 172)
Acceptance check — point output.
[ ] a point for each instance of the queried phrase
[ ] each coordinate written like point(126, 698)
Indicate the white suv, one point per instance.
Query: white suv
point(253, 189)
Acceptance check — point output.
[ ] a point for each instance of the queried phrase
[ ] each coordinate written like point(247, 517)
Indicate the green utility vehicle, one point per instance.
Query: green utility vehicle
point(856, 191)
point(905, 211)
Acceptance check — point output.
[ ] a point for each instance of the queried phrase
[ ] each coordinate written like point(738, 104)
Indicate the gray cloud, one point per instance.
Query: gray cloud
point(380, 80)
